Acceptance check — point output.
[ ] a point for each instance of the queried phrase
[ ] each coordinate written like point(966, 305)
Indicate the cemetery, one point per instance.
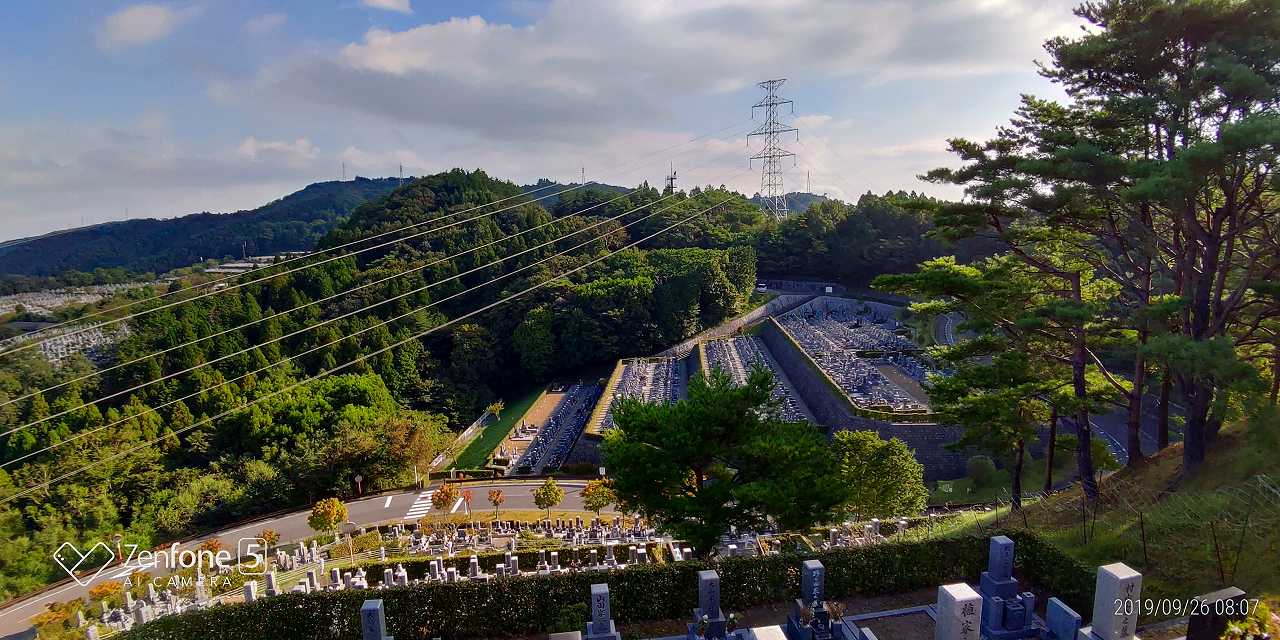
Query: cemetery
point(549, 439)
point(652, 380)
point(738, 355)
point(1005, 587)
point(853, 342)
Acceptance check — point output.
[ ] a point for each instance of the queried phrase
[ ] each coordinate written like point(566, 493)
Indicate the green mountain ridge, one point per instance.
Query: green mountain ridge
point(295, 222)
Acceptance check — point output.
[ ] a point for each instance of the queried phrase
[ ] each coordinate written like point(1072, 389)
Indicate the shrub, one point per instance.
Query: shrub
point(981, 470)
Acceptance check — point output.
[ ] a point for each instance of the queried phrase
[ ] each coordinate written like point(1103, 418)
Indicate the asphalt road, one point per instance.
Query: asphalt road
point(383, 509)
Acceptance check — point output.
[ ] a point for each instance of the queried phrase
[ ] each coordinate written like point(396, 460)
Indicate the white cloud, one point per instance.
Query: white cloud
point(57, 174)
point(583, 65)
point(401, 6)
point(139, 25)
point(385, 163)
point(297, 152)
point(265, 23)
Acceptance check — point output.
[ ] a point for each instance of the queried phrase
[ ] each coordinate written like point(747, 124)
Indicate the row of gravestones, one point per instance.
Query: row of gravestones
point(997, 610)
point(141, 611)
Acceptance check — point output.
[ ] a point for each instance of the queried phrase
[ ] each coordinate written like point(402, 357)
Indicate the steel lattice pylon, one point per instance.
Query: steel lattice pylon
point(771, 191)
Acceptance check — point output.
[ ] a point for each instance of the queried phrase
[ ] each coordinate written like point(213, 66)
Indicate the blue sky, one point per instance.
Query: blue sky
point(166, 108)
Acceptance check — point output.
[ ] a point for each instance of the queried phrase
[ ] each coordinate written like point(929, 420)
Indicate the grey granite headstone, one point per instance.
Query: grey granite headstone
point(1000, 558)
point(709, 593)
point(600, 614)
point(373, 621)
point(272, 589)
point(812, 582)
point(250, 591)
point(1063, 623)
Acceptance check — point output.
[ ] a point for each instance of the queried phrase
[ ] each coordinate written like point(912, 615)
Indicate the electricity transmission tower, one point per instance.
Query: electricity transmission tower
point(771, 191)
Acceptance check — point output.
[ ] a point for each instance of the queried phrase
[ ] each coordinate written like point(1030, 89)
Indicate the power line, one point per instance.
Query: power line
point(31, 344)
point(328, 321)
point(51, 482)
point(98, 372)
point(333, 342)
point(771, 189)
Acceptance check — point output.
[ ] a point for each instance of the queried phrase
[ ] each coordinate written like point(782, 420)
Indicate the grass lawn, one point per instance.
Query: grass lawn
point(964, 490)
point(758, 299)
point(1188, 536)
point(477, 452)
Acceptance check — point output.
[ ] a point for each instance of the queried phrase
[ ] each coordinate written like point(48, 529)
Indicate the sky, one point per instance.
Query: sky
point(111, 110)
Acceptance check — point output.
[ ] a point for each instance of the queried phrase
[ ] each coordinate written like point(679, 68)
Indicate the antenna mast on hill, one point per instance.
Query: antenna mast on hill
point(344, 170)
point(771, 191)
point(671, 180)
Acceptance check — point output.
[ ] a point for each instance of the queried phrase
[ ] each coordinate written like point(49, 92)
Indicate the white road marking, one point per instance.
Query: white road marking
point(420, 506)
point(388, 502)
point(456, 505)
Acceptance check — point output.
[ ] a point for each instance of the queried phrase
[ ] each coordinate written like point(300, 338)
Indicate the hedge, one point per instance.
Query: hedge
point(538, 604)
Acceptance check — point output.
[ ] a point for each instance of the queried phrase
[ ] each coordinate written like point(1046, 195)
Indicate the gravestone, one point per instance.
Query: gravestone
point(80, 621)
point(601, 626)
point(812, 582)
point(335, 577)
point(1007, 614)
point(1213, 611)
point(473, 567)
point(959, 613)
point(810, 618)
point(1116, 603)
point(91, 633)
point(313, 583)
point(388, 577)
point(708, 619)
point(272, 589)
point(555, 560)
point(1063, 623)
point(373, 621)
point(151, 592)
point(250, 591)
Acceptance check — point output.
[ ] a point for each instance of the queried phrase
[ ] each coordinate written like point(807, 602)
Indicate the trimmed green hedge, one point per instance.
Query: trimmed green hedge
point(537, 604)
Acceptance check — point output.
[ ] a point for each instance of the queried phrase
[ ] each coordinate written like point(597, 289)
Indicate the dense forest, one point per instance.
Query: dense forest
point(177, 455)
point(293, 223)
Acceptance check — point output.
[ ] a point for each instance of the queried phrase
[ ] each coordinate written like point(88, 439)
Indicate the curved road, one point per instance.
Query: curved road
point(389, 508)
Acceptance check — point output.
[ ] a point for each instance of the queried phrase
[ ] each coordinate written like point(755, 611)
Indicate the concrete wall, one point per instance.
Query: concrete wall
point(813, 390)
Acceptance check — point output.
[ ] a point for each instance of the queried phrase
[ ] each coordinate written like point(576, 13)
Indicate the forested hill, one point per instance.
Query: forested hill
point(796, 200)
point(294, 222)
